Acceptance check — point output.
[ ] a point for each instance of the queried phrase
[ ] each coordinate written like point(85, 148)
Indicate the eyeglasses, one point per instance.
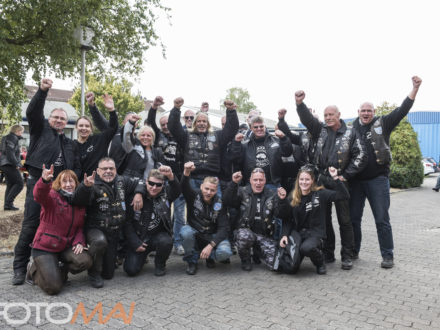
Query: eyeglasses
point(107, 168)
point(189, 117)
point(59, 118)
point(157, 184)
point(258, 126)
point(258, 170)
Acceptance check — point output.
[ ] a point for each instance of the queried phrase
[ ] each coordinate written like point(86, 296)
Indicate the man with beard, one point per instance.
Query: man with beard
point(258, 207)
point(206, 235)
point(153, 229)
point(48, 145)
point(106, 215)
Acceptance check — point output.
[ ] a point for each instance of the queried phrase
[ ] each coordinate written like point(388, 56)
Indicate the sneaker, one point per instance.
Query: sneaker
point(329, 258)
point(210, 263)
point(346, 264)
point(191, 269)
point(179, 250)
point(96, 281)
point(159, 271)
point(18, 278)
point(387, 263)
point(435, 189)
point(321, 270)
point(246, 265)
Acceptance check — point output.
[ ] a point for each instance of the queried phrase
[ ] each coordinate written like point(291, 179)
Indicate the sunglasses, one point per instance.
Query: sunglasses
point(258, 126)
point(157, 184)
point(189, 117)
point(258, 170)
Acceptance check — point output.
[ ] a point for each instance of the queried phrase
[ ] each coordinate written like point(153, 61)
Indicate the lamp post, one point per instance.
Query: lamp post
point(84, 35)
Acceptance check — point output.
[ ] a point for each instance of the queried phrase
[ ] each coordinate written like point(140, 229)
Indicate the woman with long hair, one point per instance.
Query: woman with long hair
point(142, 156)
point(59, 237)
point(92, 147)
point(304, 217)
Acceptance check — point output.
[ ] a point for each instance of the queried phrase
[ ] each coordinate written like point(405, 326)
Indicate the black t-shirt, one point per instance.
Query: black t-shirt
point(303, 212)
point(261, 158)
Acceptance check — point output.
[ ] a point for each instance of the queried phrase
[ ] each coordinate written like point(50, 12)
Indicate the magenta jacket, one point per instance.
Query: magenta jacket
point(61, 224)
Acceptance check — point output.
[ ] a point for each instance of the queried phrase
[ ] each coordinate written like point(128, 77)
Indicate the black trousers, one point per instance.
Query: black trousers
point(345, 229)
point(14, 184)
point(103, 250)
point(162, 243)
point(31, 221)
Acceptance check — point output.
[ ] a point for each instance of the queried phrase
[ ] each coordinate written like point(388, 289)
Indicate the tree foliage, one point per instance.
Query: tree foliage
point(120, 90)
point(406, 167)
point(241, 97)
point(38, 36)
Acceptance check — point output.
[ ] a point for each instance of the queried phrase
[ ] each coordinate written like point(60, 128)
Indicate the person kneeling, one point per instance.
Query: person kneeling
point(257, 220)
point(152, 229)
point(59, 237)
point(304, 218)
point(206, 235)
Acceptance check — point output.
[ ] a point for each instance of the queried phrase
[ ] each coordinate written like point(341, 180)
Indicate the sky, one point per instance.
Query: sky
point(341, 52)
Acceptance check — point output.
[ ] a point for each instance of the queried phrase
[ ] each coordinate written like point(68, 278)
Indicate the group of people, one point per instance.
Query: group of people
point(122, 193)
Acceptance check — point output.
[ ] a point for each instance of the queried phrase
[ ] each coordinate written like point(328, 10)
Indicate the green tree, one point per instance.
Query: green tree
point(38, 36)
point(241, 98)
point(120, 90)
point(406, 167)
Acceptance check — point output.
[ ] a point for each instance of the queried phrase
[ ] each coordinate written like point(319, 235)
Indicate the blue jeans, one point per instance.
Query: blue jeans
point(192, 254)
point(179, 219)
point(195, 184)
point(377, 191)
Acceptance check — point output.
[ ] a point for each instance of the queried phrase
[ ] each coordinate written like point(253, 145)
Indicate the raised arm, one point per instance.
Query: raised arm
point(283, 127)
point(174, 125)
point(35, 109)
point(98, 118)
point(151, 118)
point(128, 136)
point(231, 125)
point(312, 124)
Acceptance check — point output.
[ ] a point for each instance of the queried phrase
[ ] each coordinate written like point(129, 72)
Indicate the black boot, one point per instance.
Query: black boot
point(246, 264)
point(191, 269)
point(321, 269)
point(159, 270)
point(96, 280)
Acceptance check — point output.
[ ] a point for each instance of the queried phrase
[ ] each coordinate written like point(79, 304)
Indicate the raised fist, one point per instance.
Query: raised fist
point(230, 105)
point(166, 171)
point(188, 168)
point(299, 97)
point(281, 193)
point(108, 102)
point(236, 177)
point(90, 98)
point(282, 113)
point(416, 81)
point(46, 84)
point(158, 101)
point(178, 103)
point(239, 137)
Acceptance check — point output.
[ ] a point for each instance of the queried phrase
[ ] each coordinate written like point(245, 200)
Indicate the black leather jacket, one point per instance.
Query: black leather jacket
point(10, 150)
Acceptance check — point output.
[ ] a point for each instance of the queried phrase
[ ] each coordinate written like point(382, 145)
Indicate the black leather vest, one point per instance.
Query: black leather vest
point(205, 216)
point(204, 151)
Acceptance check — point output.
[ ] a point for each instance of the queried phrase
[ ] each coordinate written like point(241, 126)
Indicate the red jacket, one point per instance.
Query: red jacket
point(61, 224)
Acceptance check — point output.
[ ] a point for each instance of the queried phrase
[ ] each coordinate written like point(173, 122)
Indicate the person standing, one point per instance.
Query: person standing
point(10, 163)
point(372, 182)
point(48, 145)
point(341, 147)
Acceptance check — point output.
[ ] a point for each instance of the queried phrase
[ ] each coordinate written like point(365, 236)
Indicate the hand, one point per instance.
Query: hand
point(283, 241)
point(142, 247)
point(237, 177)
point(166, 171)
point(279, 134)
point(230, 105)
point(239, 137)
point(46, 84)
point(282, 113)
point(341, 178)
point(333, 171)
point(47, 174)
point(78, 248)
point(158, 101)
point(108, 102)
point(89, 180)
point(138, 202)
point(281, 193)
point(188, 168)
point(90, 98)
point(299, 97)
point(178, 102)
point(206, 252)
point(416, 81)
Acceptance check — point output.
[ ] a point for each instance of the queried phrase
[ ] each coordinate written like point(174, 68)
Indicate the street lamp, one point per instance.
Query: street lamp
point(84, 35)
